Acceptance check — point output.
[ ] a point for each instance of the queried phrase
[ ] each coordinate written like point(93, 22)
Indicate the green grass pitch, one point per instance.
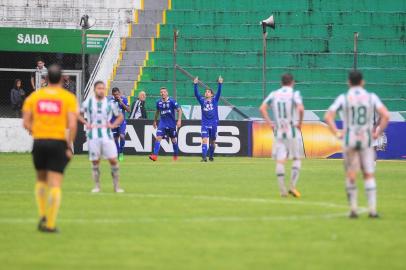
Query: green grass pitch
point(189, 215)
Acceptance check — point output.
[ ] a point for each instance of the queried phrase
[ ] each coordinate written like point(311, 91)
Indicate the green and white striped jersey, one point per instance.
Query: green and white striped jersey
point(357, 108)
point(283, 103)
point(99, 113)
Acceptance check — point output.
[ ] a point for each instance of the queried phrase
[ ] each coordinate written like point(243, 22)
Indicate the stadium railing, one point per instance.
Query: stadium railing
point(107, 59)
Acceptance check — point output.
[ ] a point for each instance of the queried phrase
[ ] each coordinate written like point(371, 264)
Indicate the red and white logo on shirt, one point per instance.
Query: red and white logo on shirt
point(49, 106)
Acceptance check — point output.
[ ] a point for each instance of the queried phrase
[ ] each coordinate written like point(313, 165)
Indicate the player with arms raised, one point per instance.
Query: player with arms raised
point(97, 112)
point(119, 132)
point(358, 107)
point(210, 117)
point(287, 110)
point(166, 108)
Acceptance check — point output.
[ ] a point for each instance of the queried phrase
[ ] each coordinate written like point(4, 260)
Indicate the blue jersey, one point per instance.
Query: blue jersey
point(120, 107)
point(167, 111)
point(210, 115)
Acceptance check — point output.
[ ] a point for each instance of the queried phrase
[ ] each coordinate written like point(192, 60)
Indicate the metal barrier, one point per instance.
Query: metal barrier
point(107, 59)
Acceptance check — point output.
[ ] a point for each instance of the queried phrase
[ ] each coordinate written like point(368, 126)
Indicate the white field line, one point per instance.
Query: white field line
point(201, 219)
point(197, 197)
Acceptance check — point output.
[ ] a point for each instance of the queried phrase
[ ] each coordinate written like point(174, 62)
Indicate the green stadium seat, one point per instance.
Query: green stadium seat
point(313, 40)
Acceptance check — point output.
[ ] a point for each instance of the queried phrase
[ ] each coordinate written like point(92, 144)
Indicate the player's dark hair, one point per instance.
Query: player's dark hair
point(115, 90)
point(54, 73)
point(355, 77)
point(97, 83)
point(287, 79)
point(39, 59)
point(211, 91)
point(163, 87)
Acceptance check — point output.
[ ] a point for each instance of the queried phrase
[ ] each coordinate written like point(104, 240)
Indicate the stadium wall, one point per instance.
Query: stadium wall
point(250, 138)
point(236, 138)
point(13, 137)
point(233, 138)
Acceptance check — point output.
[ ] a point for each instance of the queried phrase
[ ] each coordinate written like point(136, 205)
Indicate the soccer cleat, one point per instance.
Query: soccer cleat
point(203, 160)
point(373, 215)
point(121, 157)
point(211, 158)
point(96, 190)
point(175, 158)
point(119, 190)
point(41, 223)
point(49, 230)
point(295, 193)
point(153, 157)
point(353, 215)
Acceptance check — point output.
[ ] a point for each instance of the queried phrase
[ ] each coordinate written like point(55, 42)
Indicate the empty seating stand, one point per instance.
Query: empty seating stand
point(313, 40)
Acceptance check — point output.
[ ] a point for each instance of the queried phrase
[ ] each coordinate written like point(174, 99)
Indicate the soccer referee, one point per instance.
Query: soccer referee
point(50, 115)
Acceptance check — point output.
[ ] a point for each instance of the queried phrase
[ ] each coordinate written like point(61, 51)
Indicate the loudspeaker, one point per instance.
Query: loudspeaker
point(270, 22)
point(87, 22)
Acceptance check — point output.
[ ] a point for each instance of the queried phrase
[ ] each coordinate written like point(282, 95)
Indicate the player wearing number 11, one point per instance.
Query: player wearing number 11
point(358, 107)
point(287, 112)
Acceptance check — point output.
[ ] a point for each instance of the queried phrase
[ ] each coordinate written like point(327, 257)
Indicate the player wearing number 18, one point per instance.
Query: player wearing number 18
point(358, 107)
point(287, 111)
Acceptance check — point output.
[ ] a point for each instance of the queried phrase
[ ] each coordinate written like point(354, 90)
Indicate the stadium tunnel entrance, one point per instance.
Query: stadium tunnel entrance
point(21, 65)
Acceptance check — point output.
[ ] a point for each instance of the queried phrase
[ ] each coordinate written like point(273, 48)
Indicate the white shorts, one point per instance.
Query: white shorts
point(375, 143)
point(286, 149)
point(364, 159)
point(102, 147)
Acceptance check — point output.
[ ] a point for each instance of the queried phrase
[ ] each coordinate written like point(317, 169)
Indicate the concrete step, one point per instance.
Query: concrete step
point(125, 86)
point(127, 70)
point(139, 55)
point(132, 62)
point(150, 16)
point(138, 44)
point(127, 77)
point(144, 30)
point(155, 4)
point(133, 58)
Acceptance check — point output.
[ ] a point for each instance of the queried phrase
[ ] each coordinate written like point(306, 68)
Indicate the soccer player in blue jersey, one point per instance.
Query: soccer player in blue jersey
point(166, 108)
point(119, 132)
point(210, 117)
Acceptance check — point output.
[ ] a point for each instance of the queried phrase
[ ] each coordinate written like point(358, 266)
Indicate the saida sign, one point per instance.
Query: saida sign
point(51, 40)
point(32, 39)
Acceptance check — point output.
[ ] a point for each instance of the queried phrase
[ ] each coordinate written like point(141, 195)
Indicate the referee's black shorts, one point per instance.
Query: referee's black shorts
point(50, 155)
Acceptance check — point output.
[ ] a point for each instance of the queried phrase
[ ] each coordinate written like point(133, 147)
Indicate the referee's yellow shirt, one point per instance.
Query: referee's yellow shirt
point(50, 107)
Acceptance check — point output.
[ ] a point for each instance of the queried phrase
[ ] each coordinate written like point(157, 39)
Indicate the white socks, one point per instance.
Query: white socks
point(352, 192)
point(370, 190)
point(96, 175)
point(115, 175)
point(280, 175)
point(296, 164)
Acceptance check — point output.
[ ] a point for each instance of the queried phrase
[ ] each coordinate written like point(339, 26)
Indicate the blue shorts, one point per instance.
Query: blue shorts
point(209, 132)
point(166, 132)
point(120, 130)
